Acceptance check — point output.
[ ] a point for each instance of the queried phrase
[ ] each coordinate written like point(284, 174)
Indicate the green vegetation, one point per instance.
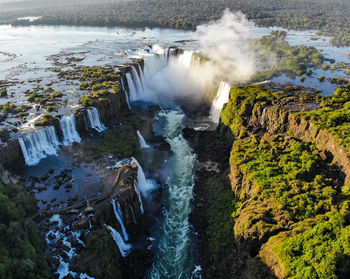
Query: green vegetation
point(45, 97)
point(50, 108)
point(339, 80)
point(287, 172)
point(317, 250)
point(47, 120)
point(121, 142)
point(8, 108)
point(57, 95)
point(220, 230)
point(101, 81)
point(97, 258)
point(334, 115)
point(244, 102)
point(294, 211)
point(21, 247)
point(3, 92)
point(32, 96)
point(86, 101)
point(291, 60)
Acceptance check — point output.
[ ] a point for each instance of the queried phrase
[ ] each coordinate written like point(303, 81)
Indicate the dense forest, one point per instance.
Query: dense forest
point(21, 246)
point(292, 205)
point(330, 17)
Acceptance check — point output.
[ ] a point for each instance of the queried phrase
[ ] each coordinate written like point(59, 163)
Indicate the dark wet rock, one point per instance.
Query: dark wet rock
point(82, 224)
point(51, 236)
point(69, 276)
point(11, 156)
point(55, 262)
point(137, 263)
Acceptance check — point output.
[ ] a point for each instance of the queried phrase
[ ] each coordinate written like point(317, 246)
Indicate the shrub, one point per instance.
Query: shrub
point(32, 96)
point(86, 101)
point(3, 92)
point(322, 78)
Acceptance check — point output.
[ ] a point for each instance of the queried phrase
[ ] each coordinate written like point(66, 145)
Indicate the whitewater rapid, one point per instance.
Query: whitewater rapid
point(174, 252)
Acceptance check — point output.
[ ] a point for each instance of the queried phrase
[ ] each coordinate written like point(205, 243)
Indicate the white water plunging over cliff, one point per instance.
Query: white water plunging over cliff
point(143, 143)
point(221, 98)
point(124, 247)
point(133, 214)
point(39, 145)
point(143, 185)
point(138, 192)
point(119, 216)
point(185, 58)
point(263, 116)
point(126, 93)
point(173, 257)
point(94, 120)
point(154, 63)
point(142, 79)
point(69, 131)
point(137, 81)
point(132, 88)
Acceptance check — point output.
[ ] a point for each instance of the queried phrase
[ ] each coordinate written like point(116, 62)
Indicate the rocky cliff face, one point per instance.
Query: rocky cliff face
point(281, 119)
point(288, 173)
point(307, 131)
point(11, 156)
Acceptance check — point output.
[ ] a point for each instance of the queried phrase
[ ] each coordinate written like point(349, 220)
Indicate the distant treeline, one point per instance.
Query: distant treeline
point(330, 17)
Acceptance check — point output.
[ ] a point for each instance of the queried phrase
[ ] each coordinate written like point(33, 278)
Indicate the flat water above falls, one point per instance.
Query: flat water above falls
point(174, 253)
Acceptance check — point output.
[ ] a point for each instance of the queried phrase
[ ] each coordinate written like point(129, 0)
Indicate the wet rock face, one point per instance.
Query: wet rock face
point(81, 122)
point(11, 156)
point(324, 140)
point(127, 197)
point(280, 119)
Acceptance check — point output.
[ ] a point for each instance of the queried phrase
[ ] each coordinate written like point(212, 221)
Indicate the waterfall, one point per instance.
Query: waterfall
point(186, 58)
point(137, 190)
point(126, 93)
point(39, 145)
point(153, 64)
point(173, 257)
point(119, 215)
point(263, 116)
point(94, 120)
point(221, 98)
point(143, 143)
point(155, 59)
point(143, 185)
point(171, 53)
point(137, 82)
point(133, 214)
point(124, 247)
point(69, 131)
point(143, 84)
point(132, 88)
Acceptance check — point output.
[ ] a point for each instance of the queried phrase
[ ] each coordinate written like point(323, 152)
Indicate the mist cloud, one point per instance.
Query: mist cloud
point(225, 44)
